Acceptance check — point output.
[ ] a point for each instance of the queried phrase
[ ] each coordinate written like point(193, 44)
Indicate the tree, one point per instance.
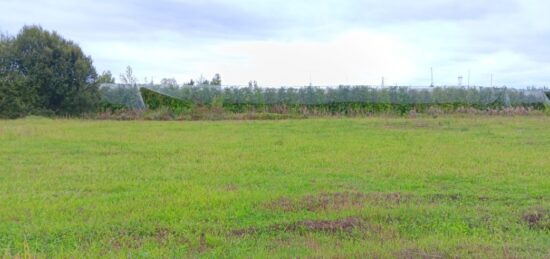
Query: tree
point(128, 77)
point(216, 80)
point(190, 83)
point(41, 71)
point(171, 82)
point(14, 96)
point(106, 78)
point(202, 81)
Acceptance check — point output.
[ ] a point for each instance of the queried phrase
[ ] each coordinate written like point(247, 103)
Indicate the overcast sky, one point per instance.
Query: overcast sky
point(292, 42)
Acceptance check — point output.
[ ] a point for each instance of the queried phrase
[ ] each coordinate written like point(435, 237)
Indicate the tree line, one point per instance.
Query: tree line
point(43, 73)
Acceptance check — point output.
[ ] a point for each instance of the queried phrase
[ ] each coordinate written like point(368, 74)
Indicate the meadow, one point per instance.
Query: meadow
point(471, 186)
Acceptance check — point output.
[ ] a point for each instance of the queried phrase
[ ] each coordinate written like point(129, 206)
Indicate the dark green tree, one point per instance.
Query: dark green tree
point(16, 97)
point(44, 72)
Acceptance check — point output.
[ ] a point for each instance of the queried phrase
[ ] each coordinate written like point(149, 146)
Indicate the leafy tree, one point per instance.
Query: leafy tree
point(41, 71)
point(216, 80)
point(106, 78)
point(13, 97)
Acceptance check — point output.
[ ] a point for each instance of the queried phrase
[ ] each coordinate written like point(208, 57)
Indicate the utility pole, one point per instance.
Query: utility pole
point(491, 80)
point(382, 84)
point(460, 80)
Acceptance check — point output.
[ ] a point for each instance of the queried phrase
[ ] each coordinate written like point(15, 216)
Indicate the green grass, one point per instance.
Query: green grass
point(412, 188)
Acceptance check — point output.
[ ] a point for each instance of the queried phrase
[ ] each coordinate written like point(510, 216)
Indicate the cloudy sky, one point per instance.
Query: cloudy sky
point(294, 42)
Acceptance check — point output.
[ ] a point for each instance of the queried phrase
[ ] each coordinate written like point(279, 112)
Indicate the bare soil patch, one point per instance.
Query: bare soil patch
point(537, 218)
point(336, 201)
point(344, 225)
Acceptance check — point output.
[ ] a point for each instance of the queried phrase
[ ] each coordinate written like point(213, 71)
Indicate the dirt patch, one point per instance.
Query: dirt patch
point(345, 225)
point(127, 242)
point(162, 235)
point(203, 245)
point(332, 226)
point(231, 187)
point(483, 198)
point(445, 197)
point(537, 218)
point(330, 201)
point(335, 201)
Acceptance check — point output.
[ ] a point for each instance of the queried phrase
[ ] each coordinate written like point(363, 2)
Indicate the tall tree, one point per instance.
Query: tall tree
point(15, 97)
point(46, 72)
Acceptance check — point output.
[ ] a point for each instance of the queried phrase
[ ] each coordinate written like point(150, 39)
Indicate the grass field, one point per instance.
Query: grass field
point(386, 187)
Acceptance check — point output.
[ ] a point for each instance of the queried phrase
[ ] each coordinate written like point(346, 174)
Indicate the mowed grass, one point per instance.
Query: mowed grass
point(373, 187)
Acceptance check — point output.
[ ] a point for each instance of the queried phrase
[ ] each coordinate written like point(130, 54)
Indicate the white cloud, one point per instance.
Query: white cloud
point(284, 42)
point(358, 57)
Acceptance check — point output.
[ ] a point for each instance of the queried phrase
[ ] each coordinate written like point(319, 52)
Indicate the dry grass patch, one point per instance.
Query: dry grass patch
point(537, 218)
point(344, 225)
point(336, 201)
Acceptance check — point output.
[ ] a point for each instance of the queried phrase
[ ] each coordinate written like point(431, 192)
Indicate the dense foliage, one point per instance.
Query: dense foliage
point(41, 72)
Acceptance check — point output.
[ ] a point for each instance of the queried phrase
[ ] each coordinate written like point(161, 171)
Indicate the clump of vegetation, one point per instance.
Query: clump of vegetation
point(43, 73)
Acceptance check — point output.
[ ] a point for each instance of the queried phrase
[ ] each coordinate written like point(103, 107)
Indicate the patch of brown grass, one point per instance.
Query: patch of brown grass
point(444, 197)
point(344, 225)
point(537, 218)
point(351, 226)
point(336, 201)
point(330, 226)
